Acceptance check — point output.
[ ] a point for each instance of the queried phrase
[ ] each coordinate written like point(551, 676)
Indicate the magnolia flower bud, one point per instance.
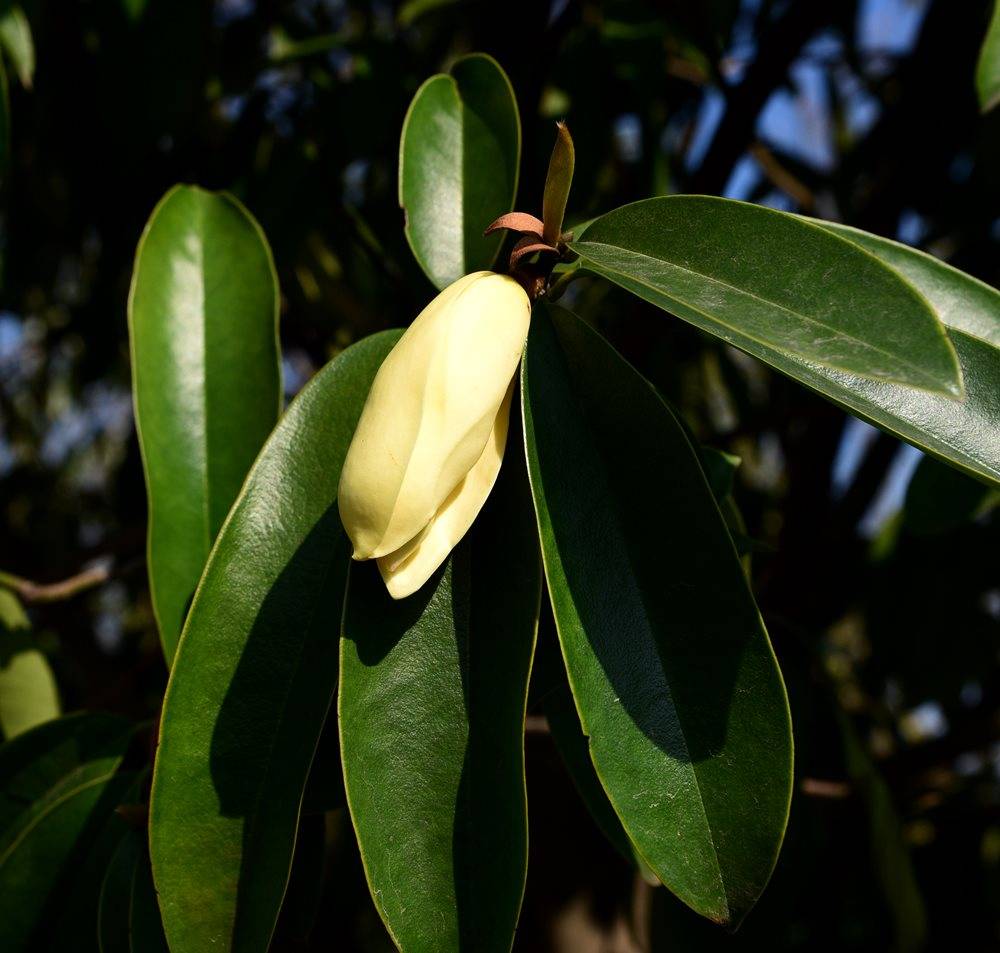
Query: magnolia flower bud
point(431, 437)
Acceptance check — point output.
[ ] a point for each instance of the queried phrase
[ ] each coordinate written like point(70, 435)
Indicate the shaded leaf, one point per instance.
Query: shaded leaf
point(458, 166)
point(203, 311)
point(28, 693)
point(59, 784)
point(670, 666)
point(774, 285)
point(939, 499)
point(255, 674)
point(17, 43)
point(988, 65)
point(432, 701)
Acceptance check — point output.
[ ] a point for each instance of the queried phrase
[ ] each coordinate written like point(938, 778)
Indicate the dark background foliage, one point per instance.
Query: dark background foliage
point(883, 606)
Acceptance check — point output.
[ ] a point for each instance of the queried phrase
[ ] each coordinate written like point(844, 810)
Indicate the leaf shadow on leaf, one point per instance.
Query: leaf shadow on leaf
point(271, 718)
point(612, 523)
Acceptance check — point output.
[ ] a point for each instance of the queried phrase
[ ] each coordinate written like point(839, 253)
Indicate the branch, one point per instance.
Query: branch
point(37, 592)
point(778, 47)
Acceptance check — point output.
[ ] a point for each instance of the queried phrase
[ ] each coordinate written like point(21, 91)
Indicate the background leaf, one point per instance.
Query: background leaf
point(772, 285)
point(432, 703)
point(458, 166)
point(59, 784)
point(255, 674)
point(674, 679)
point(203, 312)
point(17, 42)
point(988, 65)
point(28, 693)
point(128, 917)
point(940, 498)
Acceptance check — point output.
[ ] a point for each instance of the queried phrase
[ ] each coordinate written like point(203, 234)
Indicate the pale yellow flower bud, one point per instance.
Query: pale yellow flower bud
point(431, 437)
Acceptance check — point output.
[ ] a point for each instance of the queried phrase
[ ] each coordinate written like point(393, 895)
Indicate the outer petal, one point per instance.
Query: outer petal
point(409, 567)
point(431, 410)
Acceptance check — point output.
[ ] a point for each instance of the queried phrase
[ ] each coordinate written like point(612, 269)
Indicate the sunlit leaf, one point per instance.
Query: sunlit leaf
point(254, 676)
point(774, 285)
point(458, 166)
point(206, 378)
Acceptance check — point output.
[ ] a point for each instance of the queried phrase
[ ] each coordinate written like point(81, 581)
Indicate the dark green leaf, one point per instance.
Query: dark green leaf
point(458, 164)
point(59, 784)
point(207, 381)
point(28, 694)
point(673, 675)
point(128, 916)
point(255, 674)
point(961, 302)
point(890, 854)
point(964, 434)
point(940, 499)
point(146, 926)
point(571, 743)
point(115, 903)
point(988, 66)
point(432, 700)
point(774, 285)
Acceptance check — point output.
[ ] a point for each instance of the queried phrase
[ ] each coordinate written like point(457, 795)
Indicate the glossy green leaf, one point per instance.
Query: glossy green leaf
point(28, 693)
point(961, 302)
point(458, 165)
point(674, 679)
point(203, 312)
point(59, 783)
point(988, 65)
point(432, 701)
point(774, 285)
point(965, 434)
point(571, 742)
point(254, 676)
point(17, 43)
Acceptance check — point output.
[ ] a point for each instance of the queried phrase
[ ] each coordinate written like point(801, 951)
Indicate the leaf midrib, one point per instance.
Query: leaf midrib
point(835, 332)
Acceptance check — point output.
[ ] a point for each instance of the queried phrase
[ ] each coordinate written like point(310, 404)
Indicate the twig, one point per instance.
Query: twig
point(780, 177)
point(37, 592)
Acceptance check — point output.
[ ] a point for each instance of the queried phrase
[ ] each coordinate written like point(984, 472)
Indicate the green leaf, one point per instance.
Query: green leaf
point(59, 784)
point(128, 917)
point(940, 499)
point(203, 313)
point(964, 434)
point(573, 748)
point(774, 285)
point(28, 693)
point(961, 302)
point(432, 702)
point(114, 913)
point(988, 66)
point(890, 854)
point(458, 165)
point(15, 38)
point(558, 182)
point(674, 679)
point(254, 676)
